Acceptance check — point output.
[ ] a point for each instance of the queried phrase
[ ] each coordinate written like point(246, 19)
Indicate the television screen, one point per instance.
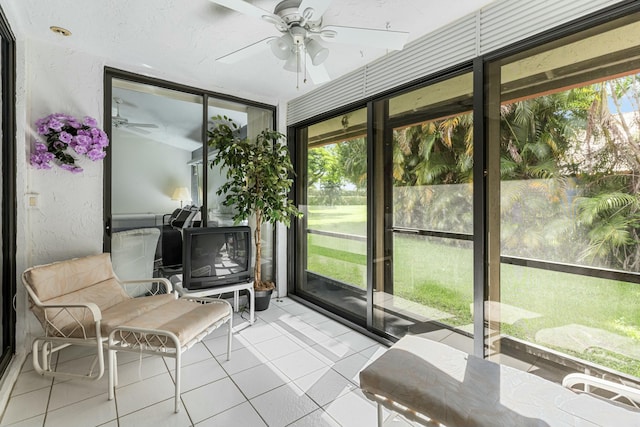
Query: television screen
point(215, 256)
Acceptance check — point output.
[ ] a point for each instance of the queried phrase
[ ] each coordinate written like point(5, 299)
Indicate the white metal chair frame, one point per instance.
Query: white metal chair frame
point(161, 343)
point(55, 339)
point(591, 384)
point(139, 340)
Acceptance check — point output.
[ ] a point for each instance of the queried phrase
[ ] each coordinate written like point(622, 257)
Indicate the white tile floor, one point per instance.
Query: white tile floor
point(293, 367)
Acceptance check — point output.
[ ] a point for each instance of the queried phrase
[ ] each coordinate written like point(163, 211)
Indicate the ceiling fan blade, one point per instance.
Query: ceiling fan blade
point(384, 39)
point(138, 130)
point(245, 52)
point(249, 9)
point(318, 73)
point(319, 7)
point(143, 125)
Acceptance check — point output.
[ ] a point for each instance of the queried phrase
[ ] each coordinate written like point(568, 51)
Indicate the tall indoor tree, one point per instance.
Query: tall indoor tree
point(258, 182)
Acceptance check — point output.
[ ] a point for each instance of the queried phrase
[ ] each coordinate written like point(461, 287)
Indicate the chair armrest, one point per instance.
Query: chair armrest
point(78, 320)
point(167, 284)
point(93, 308)
point(590, 382)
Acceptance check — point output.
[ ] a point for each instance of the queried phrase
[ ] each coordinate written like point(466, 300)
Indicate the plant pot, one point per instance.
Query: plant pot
point(262, 299)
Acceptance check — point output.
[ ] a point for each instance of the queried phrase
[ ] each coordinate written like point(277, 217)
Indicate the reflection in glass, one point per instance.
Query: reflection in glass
point(569, 200)
point(158, 173)
point(154, 133)
point(251, 120)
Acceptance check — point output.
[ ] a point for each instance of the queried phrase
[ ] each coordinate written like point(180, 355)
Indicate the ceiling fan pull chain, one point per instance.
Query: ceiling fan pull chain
point(305, 67)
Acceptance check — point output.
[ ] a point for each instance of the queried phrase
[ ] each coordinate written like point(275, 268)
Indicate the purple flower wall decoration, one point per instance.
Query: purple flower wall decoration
point(65, 134)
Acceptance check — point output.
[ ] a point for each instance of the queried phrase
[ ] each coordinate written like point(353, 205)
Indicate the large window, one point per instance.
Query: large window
point(569, 135)
point(386, 239)
point(519, 235)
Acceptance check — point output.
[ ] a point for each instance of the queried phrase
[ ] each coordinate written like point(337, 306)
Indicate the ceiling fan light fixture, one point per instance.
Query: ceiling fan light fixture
point(316, 51)
point(293, 64)
point(281, 47)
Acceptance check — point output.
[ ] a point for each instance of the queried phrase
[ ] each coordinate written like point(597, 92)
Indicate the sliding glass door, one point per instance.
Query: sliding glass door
point(569, 130)
point(7, 194)
point(160, 178)
point(502, 206)
point(332, 250)
point(429, 240)
point(387, 236)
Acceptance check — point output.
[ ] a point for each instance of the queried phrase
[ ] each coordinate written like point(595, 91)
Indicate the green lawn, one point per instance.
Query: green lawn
point(343, 219)
point(430, 272)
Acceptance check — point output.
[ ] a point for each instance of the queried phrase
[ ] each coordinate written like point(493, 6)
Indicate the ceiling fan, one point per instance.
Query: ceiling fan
point(121, 122)
point(300, 22)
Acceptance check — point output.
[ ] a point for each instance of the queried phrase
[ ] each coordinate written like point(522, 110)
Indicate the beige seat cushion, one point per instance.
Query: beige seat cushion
point(186, 319)
point(461, 390)
point(122, 313)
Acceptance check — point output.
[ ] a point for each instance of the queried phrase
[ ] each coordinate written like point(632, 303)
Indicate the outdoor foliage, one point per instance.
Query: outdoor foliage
point(570, 180)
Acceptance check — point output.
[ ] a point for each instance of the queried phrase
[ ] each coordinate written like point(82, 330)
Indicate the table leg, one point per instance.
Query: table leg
point(252, 303)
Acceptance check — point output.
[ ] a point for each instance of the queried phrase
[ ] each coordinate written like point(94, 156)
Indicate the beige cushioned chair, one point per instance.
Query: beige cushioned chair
point(82, 302)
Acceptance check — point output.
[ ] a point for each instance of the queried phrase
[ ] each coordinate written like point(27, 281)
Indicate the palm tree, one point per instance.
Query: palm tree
point(428, 158)
point(610, 207)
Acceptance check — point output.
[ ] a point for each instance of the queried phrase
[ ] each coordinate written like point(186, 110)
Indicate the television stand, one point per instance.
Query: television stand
point(176, 280)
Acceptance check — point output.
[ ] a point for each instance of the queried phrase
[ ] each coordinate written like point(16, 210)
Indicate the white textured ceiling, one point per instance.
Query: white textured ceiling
point(179, 39)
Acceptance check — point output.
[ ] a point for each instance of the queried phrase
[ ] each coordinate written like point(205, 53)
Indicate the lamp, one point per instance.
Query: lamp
point(182, 194)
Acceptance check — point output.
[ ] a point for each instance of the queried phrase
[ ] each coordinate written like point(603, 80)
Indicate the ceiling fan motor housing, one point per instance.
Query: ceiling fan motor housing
point(298, 34)
point(290, 13)
point(301, 25)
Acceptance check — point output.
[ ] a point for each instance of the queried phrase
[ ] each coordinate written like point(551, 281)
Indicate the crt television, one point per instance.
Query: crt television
point(215, 256)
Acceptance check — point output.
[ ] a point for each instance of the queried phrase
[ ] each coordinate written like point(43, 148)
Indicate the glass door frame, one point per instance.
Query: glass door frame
point(109, 75)
point(9, 194)
point(486, 173)
point(296, 267)
point(379, 204)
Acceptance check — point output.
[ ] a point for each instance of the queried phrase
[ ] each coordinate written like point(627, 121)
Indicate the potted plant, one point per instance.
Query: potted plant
point(258, 176)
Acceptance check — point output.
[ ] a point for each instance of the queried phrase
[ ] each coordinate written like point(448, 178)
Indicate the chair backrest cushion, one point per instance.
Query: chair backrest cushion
point(79, 280)
point(66, 277)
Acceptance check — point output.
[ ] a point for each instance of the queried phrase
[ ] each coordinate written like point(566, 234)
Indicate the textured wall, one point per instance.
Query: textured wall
point(68, 220)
